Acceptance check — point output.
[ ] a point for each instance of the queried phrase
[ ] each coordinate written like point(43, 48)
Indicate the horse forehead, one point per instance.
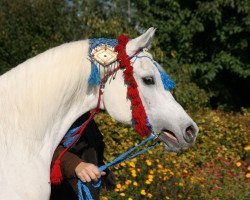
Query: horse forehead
point(144, 62)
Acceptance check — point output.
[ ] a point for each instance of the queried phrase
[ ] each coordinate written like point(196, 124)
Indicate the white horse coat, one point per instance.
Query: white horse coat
point(42, 97)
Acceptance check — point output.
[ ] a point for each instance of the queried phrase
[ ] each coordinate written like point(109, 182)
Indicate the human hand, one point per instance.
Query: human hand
point(88, 171)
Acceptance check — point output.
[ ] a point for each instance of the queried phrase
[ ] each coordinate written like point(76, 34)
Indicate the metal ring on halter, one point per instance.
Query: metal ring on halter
point(156, 135)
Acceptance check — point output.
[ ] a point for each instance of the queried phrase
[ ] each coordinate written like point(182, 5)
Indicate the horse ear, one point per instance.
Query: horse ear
point(143, 41)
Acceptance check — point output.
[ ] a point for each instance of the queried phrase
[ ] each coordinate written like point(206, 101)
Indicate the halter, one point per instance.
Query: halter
point(142, 125)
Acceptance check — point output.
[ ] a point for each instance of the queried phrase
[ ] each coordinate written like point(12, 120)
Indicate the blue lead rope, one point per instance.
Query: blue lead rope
point(82, 186)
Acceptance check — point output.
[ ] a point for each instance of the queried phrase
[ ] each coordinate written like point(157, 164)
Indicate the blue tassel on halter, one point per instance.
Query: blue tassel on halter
point(168, 83)
point(94, 78)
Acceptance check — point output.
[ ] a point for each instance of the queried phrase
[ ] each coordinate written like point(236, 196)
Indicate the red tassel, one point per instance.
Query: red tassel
point(56, 174)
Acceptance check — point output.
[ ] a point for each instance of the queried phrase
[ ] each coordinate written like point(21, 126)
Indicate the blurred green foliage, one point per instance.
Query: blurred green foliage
point(203, 45)
point(208, 38)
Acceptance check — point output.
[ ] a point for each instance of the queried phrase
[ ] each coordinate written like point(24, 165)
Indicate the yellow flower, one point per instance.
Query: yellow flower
point(238, 164)
point(147, 182)
point(151, 171)
point(135, 183)
point(130, 198)
point(149, 195)
point(123, 164)
point(104, 198)
point(247, 148)
point(133, 173)
point(122, 194)
point(143, 192)
point(118, 186)
point(248, 175)
point(127, 182)
point(181, 184)
point(160, 166)
point(150, 152)
point(132, 164)
point(248, 168)
point(150, 177)
point(167, 197)
point(148, 162)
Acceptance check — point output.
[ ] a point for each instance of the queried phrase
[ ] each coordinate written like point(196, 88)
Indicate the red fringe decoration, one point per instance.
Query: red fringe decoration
point(56, 174)
point(138, 111)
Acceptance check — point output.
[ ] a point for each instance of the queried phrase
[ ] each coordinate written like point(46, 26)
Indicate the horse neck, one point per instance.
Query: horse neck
point(44, 96)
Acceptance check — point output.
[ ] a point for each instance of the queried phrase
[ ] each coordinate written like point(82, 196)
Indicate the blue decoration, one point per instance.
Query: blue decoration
point(168, 83)
point(94, 78)
point(94, 42)
point(68, 139)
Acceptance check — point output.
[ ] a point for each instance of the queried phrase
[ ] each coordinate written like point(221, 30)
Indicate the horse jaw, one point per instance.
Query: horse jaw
point(115, 100)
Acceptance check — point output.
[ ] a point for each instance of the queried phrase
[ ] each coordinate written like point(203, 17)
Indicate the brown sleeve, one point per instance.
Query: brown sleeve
point(69, 162)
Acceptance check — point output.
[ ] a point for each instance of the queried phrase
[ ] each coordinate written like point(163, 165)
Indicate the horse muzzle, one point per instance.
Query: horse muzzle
point(178, 141)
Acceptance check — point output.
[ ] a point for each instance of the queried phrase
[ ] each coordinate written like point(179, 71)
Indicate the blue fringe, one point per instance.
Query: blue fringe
point(94, 78)
point(168, 83)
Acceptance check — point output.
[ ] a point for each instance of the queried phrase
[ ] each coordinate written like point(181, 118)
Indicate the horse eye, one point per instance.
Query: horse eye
point(148, 80)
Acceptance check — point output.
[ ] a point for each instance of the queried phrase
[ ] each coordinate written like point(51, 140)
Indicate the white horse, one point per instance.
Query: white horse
point(42, 97)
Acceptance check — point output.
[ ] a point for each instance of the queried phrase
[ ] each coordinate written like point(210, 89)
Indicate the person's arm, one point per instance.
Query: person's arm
point(69, 162)
point(72, 166)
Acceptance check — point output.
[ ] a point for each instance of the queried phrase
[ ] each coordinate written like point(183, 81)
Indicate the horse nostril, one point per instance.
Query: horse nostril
point(189, 134)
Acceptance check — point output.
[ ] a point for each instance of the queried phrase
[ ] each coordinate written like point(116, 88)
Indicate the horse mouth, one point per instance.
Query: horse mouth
point(170, 135)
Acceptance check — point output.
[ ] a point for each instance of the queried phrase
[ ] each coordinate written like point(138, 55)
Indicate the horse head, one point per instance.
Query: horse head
point(165, 117)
